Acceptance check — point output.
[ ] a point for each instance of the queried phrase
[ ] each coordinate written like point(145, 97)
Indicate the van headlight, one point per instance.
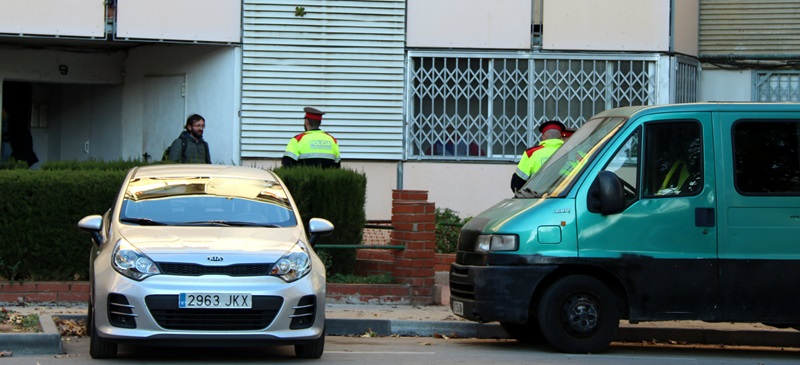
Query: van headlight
point(293, 265)
point(496, 242)
point(131, 262)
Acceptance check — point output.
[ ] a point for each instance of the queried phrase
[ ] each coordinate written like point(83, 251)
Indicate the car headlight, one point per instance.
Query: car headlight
point(132, 263)
point(496, 242)
point(293, 265)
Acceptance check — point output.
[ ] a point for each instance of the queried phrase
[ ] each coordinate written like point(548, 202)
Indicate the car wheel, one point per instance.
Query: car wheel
point(98, 347)
point(524, 332)
point(579, 314)
point(311, 350)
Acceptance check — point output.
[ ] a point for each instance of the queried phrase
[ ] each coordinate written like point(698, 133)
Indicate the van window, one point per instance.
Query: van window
point(625, 164)
point(766, 157)
point(673, 159)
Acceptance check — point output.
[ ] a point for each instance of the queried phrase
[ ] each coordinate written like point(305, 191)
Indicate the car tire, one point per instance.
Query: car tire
point(98, 347)
point(311, 350)
point(579, 314)
point(529, 332)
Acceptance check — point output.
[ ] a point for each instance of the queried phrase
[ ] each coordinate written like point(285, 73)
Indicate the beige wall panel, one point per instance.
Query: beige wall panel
point(467, 188)
point(496, 24)
point(65, 18)
point(610, 25)
point(687, 27)
point(188, 20)
point(725, 85)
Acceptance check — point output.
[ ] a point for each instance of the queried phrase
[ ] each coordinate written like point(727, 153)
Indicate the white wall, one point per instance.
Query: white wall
point(82, 18)
point(687, 27)
point(43, 66)
point(724, 85)
point(465, 188)
point(497, 24)
point(213, 78)
point(610, 25)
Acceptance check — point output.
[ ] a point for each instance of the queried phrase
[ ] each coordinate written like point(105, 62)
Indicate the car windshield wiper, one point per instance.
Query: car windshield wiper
point(527, 192)
point(228, 224)
point(143, 221)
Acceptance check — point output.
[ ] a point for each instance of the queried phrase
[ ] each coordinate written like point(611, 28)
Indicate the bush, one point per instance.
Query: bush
point(338, 195)
point(448, 226)
point(41, 208)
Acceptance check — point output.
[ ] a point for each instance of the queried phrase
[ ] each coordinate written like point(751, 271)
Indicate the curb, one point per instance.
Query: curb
point(710, 336)
point(383, 327)
point(49, 341)
point(46, 342)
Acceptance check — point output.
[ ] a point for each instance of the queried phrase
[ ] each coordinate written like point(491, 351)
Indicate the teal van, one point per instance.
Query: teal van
point(647, 213)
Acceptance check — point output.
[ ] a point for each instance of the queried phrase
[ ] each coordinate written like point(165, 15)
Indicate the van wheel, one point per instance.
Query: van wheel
point(524, 332)
point(98, 347)
point(579, 314)
point(311, 350)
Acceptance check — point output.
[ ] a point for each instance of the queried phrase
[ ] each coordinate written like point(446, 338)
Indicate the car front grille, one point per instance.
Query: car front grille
point(182, 269)
point(164, 309)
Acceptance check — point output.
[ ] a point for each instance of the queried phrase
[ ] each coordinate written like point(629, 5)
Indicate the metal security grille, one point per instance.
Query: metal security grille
point(686, 80)
point(486, 107)
point(777, 86)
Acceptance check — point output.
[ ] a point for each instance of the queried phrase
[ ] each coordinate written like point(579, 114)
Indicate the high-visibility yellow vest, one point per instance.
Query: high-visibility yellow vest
point(533, 159)
point(313, 144)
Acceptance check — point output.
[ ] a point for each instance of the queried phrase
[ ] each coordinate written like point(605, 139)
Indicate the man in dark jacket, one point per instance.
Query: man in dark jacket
point(190, 147)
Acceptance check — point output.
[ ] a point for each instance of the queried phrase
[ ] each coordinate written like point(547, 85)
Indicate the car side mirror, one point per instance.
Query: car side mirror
point(92, 224)
point(605, 194)
point(319, 227)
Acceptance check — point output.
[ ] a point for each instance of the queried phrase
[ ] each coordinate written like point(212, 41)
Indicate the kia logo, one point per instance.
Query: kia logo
point(215, 258)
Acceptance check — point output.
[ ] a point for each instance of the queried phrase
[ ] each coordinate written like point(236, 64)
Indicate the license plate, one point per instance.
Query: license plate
point(458, 308)
point(214, 300)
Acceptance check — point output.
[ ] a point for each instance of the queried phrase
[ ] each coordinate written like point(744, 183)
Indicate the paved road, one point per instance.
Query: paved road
point(440, 351)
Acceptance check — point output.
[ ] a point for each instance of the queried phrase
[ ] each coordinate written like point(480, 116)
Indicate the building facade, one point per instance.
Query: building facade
point(436, 95)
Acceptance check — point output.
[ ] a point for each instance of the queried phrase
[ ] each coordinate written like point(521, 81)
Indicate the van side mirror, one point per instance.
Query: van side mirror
point(318, 227)
point(605, 194)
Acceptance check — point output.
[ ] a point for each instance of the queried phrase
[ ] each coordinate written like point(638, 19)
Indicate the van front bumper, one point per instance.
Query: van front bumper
point(494, 293)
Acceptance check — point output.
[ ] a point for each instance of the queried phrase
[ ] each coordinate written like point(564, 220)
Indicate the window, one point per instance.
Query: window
point(673, 159)
point(625, 165)
point(766, 157)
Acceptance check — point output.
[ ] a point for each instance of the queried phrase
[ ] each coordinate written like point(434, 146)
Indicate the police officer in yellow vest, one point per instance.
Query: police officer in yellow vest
point(533, 158)
point(313, 147)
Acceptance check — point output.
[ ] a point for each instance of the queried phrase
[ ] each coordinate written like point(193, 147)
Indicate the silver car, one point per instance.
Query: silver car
point(199, 255)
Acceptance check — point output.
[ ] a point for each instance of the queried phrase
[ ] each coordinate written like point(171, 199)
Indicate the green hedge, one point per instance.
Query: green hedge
point(338, 195)
point(39, 238)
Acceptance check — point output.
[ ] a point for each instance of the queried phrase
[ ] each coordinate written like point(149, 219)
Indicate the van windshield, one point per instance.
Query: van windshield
point(568, 162)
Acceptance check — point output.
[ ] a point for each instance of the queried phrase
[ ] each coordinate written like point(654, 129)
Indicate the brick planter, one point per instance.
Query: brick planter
point(413, 268)
point(44, 291)
point(443, 261)
point(368, 293)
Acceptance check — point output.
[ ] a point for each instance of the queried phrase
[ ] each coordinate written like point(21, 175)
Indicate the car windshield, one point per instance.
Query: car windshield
point(206, 201)
point(559, 172)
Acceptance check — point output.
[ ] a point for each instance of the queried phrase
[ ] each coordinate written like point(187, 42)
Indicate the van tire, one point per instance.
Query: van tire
point(579, 314)
point(529, 333)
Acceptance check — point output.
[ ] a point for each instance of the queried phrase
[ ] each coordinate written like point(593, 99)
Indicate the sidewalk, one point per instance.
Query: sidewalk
point(435, 320)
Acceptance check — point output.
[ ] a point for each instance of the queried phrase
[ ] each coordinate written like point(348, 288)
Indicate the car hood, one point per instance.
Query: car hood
point(187, 241)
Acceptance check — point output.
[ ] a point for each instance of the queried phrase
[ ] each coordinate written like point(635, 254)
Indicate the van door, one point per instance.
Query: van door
point(760, 216)
point(663, 246)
